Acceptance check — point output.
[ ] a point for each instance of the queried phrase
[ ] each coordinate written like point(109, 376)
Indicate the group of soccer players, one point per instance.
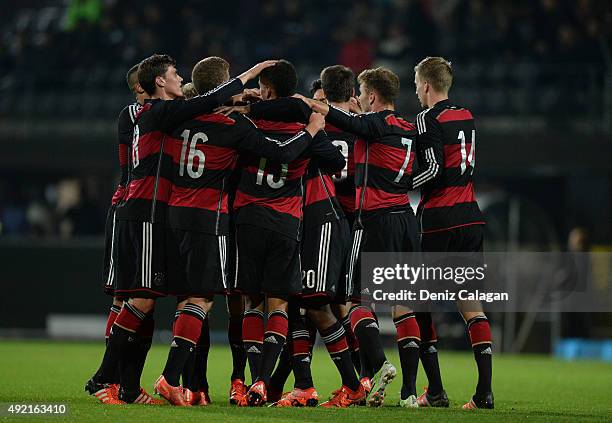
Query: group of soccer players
point(269, 198)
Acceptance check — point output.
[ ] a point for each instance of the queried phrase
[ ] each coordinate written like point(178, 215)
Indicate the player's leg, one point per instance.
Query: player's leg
point(408, 341)
point(281, 373)
point(365, 325)
point(398, 232)
point(341, 311)
point(332, 332)
point(434, 395)
point(275, 337)
point(140, 273)
point(199, 384)
point(303, 393)
point(469, 239)
point(281, 279)
point(235, 309)
point(250, 258)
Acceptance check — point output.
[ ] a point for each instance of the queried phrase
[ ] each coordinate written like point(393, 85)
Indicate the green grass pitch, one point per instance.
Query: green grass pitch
point(527, 387)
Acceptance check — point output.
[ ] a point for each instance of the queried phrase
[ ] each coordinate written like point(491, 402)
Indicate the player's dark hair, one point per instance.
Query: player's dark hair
point(131, 77)
point(338, 83)
point(315, 86)
point(209, 73)
point(383, 81)
point(282, 78)
point(152, 67)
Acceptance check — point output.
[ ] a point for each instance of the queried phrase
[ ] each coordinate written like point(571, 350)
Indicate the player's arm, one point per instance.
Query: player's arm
point(177, 111)
point(369, 126)
point(125, 131)
point(328, 157)
point(430, 150)
point(285, 109)
point(254, 141)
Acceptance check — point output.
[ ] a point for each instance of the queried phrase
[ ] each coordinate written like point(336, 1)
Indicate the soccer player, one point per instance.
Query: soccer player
point(204, 153)
point(325, 244)
point(449, 215)
point(384, 220)
point(316, 90)
point(269, 225)
point(140, 259)
point(338, 84)
point(142, 345)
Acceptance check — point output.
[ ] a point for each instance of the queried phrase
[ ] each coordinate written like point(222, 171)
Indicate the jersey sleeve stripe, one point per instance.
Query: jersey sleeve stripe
point(431, 171)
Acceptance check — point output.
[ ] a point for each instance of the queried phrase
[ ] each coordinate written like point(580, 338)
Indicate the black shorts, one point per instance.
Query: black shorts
point(196, 263)
point(140, 259)
point(109, 269)
point(324, 251)
point(266, 262)
point(392, 232)
point(462, 239)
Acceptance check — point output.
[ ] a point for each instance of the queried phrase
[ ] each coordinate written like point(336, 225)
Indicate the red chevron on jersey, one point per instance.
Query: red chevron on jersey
point(450, 115)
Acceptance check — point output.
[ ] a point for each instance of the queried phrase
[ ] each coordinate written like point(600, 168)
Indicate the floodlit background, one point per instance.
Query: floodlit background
point(536, 74)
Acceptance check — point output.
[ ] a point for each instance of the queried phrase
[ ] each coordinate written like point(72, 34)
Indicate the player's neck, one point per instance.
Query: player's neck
point(435, 98)
point(379, 107)
point(346, 106)
point(162, 95)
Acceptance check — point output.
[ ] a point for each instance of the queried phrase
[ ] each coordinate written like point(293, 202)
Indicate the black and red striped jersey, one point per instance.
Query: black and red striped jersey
point(204, 154)
point(383, 160)
point(270, 193)
point(344, 180)
point(446, 152)
point(321, 203)
point(125, 132)
point(150, 175)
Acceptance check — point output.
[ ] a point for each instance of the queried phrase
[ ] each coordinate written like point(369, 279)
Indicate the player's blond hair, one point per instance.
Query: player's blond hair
point(189, 90)
point(209, 73)
point(437, 72)
point(383, 81)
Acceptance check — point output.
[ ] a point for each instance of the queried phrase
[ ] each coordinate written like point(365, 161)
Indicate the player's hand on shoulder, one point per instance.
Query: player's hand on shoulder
point(316, 123)
point(354, 105)
point(256, 70)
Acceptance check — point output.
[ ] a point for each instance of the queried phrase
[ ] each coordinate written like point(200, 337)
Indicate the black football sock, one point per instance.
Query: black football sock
point(201, 367)
point(239, 357)
point(188, 378)
point(334, 338)
point(366, 330)
point(112, 316)
point(408, 340)
point(122, 333)
point(274, 341)
point(252, 338)
point(300, 352)
point(283, 370)
point(480, 337)
point(428, 353)
point(145, 339)
point(132, 364)
point(187, 329)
